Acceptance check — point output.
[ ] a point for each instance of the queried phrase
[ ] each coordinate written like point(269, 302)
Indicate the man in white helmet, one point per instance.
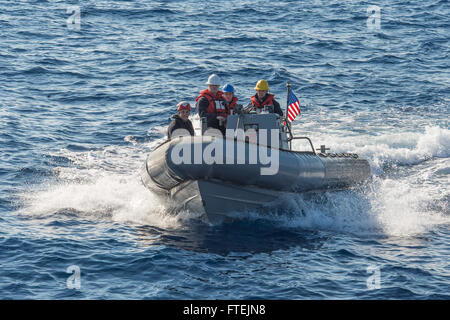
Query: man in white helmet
point(209, 104)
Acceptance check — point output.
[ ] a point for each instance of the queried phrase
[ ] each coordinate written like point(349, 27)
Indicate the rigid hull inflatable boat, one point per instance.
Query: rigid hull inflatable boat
point(218, 176)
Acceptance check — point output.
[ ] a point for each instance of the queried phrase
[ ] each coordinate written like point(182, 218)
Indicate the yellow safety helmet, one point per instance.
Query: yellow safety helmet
point(262, 85)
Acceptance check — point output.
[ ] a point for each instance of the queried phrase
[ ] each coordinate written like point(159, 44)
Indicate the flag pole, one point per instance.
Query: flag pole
point(288, 86)
point(288, 124)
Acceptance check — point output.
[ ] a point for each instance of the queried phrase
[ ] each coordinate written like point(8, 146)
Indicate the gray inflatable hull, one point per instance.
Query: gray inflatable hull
point(221, 188)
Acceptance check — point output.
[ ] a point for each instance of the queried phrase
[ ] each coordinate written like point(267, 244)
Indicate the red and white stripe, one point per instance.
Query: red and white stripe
point(293, 110)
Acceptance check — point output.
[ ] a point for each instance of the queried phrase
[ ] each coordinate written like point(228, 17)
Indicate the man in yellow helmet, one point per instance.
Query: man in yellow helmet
point(262, 98)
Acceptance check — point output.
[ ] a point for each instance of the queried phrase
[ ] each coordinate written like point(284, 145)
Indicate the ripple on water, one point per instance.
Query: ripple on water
point(81, 109)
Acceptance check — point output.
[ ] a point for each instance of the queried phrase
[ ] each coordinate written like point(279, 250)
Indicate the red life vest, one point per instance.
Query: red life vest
point(230, 106)
point(217, 108)
point(268, 101)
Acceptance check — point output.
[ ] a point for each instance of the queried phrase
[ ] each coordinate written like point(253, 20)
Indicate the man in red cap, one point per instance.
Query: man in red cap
point(181, 120)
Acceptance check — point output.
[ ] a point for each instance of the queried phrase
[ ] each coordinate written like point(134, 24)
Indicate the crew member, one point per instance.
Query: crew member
point(181, 120)
point(262, 98)
point(229, 99)
point(209, 104)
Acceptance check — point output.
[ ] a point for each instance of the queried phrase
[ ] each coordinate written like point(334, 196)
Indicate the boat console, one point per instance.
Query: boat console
point(253, 121)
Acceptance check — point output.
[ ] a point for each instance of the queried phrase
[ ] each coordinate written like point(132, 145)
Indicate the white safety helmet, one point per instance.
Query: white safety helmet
point(214, 80)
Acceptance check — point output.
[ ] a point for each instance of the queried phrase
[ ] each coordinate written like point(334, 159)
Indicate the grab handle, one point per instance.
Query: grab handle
point(305, 138)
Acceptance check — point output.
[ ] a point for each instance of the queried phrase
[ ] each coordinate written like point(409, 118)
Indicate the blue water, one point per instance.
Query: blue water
point(80, 109)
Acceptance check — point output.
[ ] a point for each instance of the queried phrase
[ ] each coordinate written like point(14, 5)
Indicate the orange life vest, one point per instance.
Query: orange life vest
point(268, 101)
point(232, 104)
point(215, 102)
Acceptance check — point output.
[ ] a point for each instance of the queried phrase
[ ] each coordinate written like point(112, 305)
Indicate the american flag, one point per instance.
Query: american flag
point(294, 107)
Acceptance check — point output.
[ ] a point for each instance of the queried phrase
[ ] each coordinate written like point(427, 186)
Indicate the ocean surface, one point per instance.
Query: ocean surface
point(82, 104)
